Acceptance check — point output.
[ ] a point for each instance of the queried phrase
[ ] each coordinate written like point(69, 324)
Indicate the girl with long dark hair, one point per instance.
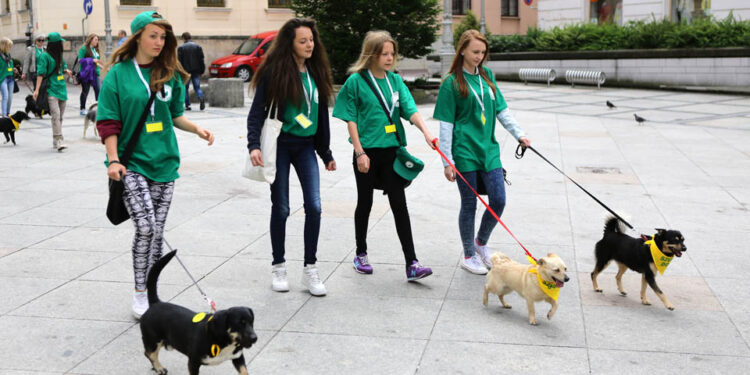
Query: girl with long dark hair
point(296, 78)
point(51, 65)
point(145, 63)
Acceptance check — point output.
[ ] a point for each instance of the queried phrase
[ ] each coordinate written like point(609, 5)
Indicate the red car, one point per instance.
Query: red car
point(243, 62)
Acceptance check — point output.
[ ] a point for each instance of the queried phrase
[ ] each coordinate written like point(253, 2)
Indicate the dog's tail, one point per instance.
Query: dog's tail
point(153, 276)
point(614, 225)
point(499, 258)
point(93, 106)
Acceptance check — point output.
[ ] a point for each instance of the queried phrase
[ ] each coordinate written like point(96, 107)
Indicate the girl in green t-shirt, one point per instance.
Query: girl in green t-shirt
point(467, 105)
point(375, 142)
point(50, 65)
point(90, 49)
point(296, 77)
point(146, 63)
point(6, 75)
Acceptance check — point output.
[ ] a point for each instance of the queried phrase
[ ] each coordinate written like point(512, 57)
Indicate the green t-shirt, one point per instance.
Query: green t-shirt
point(45, 65)
point(123, 98)
point(291, 111)
point(94, 54)
point(39, 51)
point(356, 102)
point(6, 68)
point(475, 147)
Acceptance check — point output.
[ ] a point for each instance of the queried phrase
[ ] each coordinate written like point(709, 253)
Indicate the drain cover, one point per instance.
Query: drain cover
point(598, 170)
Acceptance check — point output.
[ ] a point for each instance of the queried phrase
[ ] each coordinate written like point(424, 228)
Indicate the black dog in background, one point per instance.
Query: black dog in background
point(8, 128)
point(32, 107)
point(207, 339)
point(634, 253)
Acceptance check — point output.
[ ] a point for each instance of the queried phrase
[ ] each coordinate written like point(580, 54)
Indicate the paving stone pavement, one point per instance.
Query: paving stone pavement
point(66, 276)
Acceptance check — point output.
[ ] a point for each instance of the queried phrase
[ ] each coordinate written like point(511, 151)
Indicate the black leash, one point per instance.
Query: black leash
point(521, 150)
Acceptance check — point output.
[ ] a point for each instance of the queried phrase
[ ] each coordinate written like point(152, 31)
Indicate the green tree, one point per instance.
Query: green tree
point(344, 23)
point(470, 22)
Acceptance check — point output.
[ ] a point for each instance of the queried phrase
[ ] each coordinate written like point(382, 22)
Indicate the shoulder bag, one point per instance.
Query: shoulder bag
point(268, 137)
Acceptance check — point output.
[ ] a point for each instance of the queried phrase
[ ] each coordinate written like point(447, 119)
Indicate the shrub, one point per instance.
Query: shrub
point(469, 22)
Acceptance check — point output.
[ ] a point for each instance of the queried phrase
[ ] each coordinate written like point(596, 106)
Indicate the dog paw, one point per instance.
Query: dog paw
point(598, 290)
point(532, 322)
point(623, 293)
point(646, 302)
point(670, 308)
point(507, 306)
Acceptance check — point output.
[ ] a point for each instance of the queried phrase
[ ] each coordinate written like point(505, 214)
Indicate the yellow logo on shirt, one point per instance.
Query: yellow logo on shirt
point(154, 127)
point(390, 128)
point(10, 69)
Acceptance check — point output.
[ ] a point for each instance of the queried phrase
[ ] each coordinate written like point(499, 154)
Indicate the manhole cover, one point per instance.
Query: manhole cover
point(598, 170)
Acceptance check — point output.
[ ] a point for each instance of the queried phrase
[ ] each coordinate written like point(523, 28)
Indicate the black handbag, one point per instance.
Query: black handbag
point(15, 87)
point(116, 211)
point(41, 100)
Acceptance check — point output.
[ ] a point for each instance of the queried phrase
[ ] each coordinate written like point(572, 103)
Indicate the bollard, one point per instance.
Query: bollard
point(226, 92)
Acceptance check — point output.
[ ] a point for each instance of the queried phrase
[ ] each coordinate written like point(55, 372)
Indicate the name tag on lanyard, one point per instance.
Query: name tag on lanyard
point(480, 100)
point(303, 121)
point(390, 128)
point(10, 69)
point(60, 77)
point(153, 127)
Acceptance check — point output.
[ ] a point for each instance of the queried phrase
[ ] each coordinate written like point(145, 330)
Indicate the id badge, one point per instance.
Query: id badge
point(60, 77)
point(153, 127)
point(484, 119)
point(303, 121)
point(390, 128)
point(10, 69)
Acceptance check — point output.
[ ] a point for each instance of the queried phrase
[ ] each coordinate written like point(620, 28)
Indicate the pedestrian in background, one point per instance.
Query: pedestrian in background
point(146, 63)
point(296, 77)
point(88, 60)
point(6, 74)
point(30, 58)
point(467, 105)
point(50, 65)
point(376, 140)
point(190, 55)
point(122, 35)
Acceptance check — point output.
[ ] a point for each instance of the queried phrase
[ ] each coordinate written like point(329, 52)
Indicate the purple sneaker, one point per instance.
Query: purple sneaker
point(416, 271)
point(362, 264)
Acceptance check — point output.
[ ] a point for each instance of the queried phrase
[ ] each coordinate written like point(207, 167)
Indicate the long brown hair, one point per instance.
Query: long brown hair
point(87, 43)
point(457, 67)
point(372, 47)
point(164, 66)
point(279, 65)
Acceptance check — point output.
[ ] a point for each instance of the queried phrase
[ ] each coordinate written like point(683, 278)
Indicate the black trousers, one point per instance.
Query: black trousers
point(381, 176)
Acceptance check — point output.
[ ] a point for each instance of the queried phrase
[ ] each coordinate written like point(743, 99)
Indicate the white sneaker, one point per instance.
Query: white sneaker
point(140, 304)
point(474, 265)
point(311, 279)
point(279, 282)
point(484, 254)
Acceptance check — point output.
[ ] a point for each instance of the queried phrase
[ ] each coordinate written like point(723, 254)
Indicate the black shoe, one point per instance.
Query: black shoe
point(188, 109)
point(203, 104)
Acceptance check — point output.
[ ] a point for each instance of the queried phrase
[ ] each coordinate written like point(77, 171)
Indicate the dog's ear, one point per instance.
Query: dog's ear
point(541, 261)
point(660, 231)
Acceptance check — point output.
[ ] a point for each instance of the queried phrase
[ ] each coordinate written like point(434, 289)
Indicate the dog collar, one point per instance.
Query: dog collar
point(550, 289)
point(15, 123)
point(661, 261)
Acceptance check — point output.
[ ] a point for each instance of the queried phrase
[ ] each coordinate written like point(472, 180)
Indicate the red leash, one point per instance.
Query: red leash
point(437, 148)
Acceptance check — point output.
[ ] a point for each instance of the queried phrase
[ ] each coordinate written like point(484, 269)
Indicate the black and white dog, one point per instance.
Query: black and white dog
point(206, 339)
point(9, 125)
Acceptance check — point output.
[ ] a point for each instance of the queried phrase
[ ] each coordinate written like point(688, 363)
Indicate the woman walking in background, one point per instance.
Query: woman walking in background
point(51, 65)
point(6, 75)
point(89, 52)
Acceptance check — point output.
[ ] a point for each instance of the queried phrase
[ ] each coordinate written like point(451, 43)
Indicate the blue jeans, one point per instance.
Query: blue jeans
point(6, 90)
point(300, 153)
point(494, 182)
point(195, 78)
point(85, 91)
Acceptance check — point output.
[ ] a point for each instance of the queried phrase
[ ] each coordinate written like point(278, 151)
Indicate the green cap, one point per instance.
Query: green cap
point(140, 21)
point(407, 165)
point(54, 37)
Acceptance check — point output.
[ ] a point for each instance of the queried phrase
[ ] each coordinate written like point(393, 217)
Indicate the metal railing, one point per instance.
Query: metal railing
point(585, 76)
point(536, 74)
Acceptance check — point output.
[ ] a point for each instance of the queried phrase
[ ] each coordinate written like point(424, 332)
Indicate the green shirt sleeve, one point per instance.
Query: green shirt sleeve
point(445, 107)
point(406, 101)
point(108, 107)
point(346, 101)
point(177, 104)
point(42, 65)
point(82, 52)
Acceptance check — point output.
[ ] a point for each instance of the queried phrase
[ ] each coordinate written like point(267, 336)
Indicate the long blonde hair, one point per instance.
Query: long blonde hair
point(5, 45)
point(87, 43)
point(372, 47)
point(165, 66)
point(457, 67)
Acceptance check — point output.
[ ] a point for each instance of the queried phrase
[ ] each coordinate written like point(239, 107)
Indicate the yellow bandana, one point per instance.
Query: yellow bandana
point(550, 289)
point(15, 123)
point(661, 261)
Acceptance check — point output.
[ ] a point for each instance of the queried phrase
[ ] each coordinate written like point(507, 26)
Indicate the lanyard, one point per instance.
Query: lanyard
point(481, 89)
point(148, 88)
point(308, 95)
point(393, 103)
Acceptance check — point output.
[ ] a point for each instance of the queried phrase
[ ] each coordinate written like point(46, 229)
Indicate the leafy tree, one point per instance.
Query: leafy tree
point(470, 22)
point(343, 24)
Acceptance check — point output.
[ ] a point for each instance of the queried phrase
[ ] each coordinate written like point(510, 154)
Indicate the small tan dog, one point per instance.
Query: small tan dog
point(508, 275)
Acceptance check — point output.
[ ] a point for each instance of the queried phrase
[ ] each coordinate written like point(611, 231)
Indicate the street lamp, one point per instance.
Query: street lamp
point(447, 51)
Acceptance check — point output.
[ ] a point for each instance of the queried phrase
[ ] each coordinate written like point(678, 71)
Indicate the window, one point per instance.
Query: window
point(211, 3)
point(135, 2)
point(461, 6)
point(24, 5)
point(509, 8)
point(6, 7)
point(603, 11)
point(279, 3)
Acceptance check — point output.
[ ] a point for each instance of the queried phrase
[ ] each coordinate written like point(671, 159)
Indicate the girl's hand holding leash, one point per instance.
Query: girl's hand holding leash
point(116, 170)
point(450, 175)
point(524, 141)
point(429, 138)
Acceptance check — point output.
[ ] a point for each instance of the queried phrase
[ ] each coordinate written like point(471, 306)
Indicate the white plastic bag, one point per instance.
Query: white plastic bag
point(268, 138)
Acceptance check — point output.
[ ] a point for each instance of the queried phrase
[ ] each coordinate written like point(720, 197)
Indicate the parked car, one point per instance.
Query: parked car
point(243, 62)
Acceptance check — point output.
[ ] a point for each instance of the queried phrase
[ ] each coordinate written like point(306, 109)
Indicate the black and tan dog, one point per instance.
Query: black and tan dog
point(9, 125)
point(32, 107)
point(638, 255)
point(207, 339)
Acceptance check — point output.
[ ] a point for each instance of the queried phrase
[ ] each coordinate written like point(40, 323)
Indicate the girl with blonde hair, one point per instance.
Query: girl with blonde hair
point(468, 104)
point(6, 75)
point(376, 134)
point(145, 64)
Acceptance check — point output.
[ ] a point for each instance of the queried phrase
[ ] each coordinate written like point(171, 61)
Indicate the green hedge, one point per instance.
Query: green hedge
point(702, 33)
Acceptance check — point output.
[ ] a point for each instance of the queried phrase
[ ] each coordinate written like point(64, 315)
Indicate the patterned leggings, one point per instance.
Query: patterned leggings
point(147, 203)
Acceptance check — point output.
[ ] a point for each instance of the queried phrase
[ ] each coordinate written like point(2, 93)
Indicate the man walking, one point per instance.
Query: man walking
point(122, 35)
point(190, 55)
point(29, 60)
